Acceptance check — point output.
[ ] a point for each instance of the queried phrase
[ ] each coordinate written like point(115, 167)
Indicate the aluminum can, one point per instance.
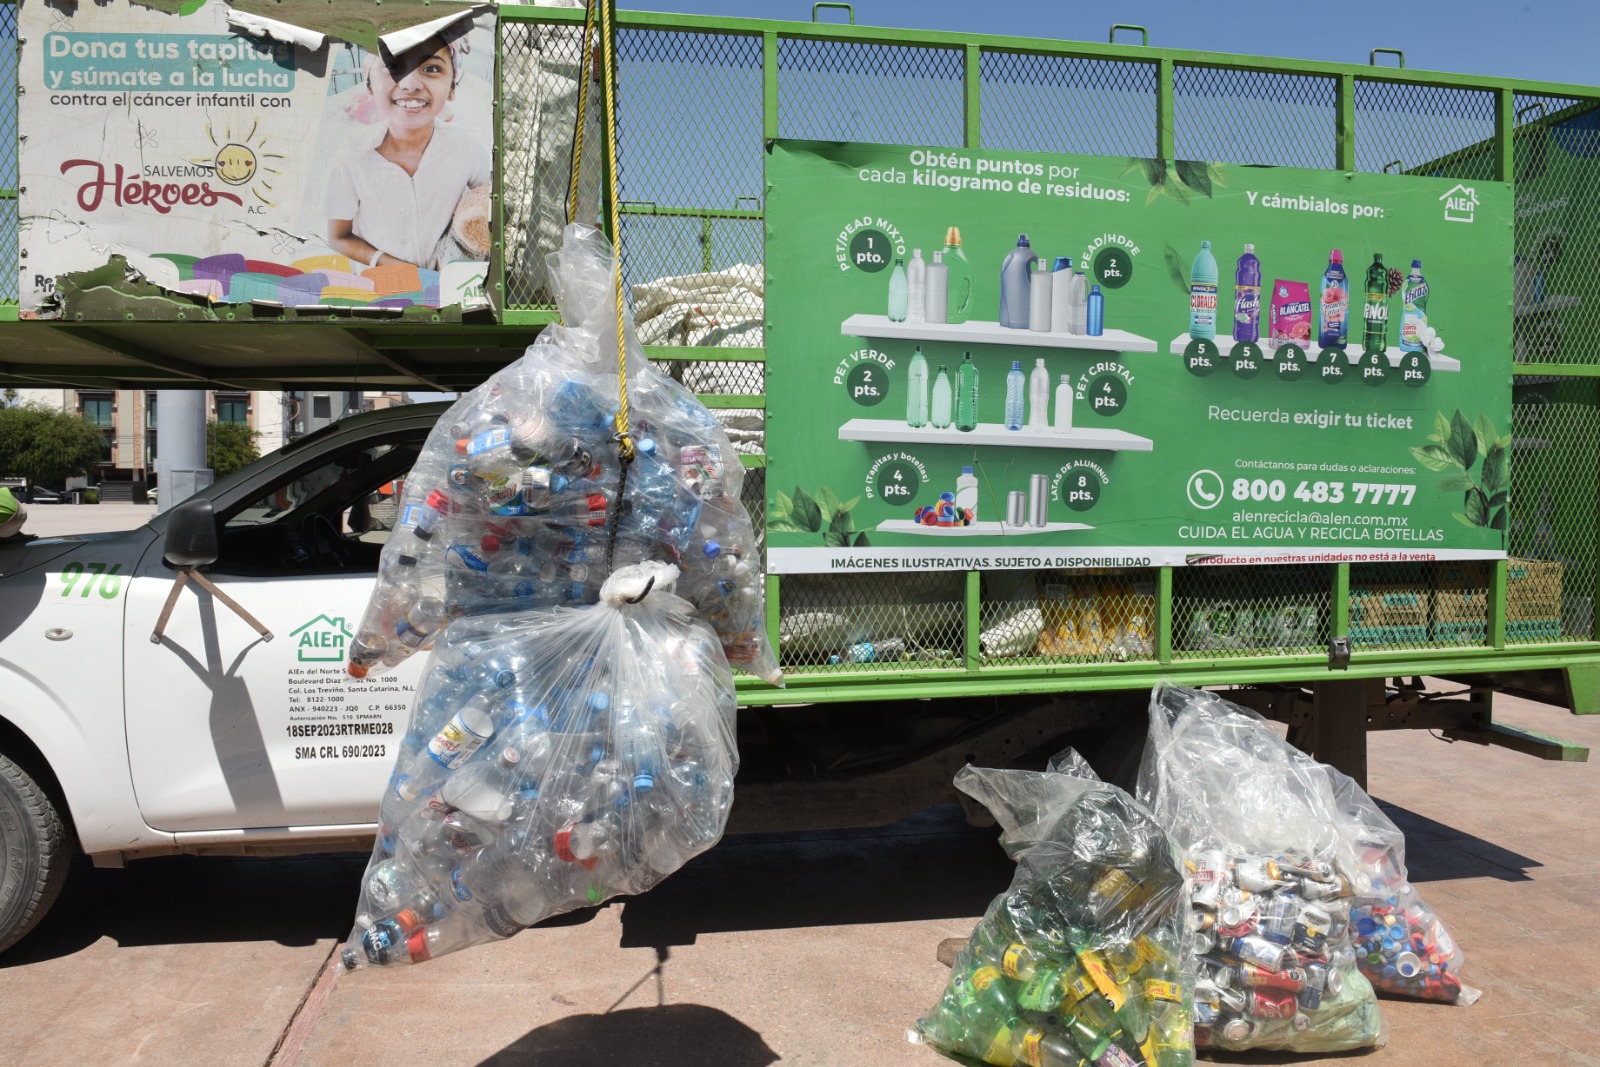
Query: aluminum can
point(1016, 508)
point(1272, 1005)
point(1038, 500)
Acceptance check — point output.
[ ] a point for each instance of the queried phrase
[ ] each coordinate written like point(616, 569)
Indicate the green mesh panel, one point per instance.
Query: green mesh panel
point(1048, 617)
point(864, 620)
point(1232, 612)
point(1032, 103)
point(1247, 116)
point(1555, 425)
point(1426, 129)
point(889, 94)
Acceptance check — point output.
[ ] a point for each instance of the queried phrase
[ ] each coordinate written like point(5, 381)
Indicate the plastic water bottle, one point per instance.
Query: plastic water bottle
point(1247, 297)
point(967, 492)
point(1039, 298)
point(1414, 309)
point(959, 304)
point(1015, 272)
point(1039, 397)
point(1203, 294)
point(967, 395)
point(917, 390)
point(899, 292)
point(890, 649)
point(1375, 309)
point(1064, 398)
point(470, 727)
point(1333, 311)
point(943, 398)
point(1078, 290)
point(1014, 396)
point(1096, 325)
point(916, 287)
point(935, 303)
point(1061, 294)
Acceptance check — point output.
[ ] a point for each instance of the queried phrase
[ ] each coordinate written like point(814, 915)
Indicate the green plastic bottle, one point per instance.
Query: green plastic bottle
point(958, 307)
point(1375, 338)
point(967, 395)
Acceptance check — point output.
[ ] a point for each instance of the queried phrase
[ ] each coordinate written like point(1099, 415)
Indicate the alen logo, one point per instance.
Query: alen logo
point(1460, 203)
point(322, 640)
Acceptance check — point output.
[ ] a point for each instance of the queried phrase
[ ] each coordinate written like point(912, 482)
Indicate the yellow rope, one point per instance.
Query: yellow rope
point(609, 70)
point(585, 66)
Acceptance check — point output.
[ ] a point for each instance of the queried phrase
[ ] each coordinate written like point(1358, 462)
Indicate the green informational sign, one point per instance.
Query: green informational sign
point(1166, 407)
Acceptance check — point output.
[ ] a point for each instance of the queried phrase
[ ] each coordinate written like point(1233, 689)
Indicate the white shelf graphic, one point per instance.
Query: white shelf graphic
point(993, 433)
point(982, 528)
point(992, 333)
point(1225, 343)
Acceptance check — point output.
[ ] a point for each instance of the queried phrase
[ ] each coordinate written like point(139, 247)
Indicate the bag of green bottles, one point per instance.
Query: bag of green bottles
point(1079, 961)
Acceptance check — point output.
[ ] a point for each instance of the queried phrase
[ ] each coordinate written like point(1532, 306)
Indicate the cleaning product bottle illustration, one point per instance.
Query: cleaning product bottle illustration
point(1375, 309)
point(1015, 271)
point(1414, 309)
point(916, 287)
point(967, 395)
point(1079, 316)
point(1060, 293)
point(1333, 312)
point(967, 492)
point(917, 390)
point(1039, 298)
point(958, 307)
point(1015, 384)
point(1096, 325)
point(942, 400)
point(936, 299)
point(1064, 405)
point(899, 292)
point(1039, 397)
point(1203, 294)
point(1247, 297)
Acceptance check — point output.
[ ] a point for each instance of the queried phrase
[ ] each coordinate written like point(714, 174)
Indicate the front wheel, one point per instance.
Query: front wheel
point(36, 849)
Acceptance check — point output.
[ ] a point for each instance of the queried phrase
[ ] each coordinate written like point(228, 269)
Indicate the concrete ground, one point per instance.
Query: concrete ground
point(54, 520)
point(813, 949)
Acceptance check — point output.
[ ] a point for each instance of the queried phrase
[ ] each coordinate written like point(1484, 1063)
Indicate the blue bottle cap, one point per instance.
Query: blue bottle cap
point(1016, 364)
point(1022, 240)
point(558, 483)
point(599, 702)
point(966, 470)
point(643, 782)
point(712, 550)
point(1094, 289)
point(1062, 263)
point(948, 498)
point(504, 678)
point(647, 445)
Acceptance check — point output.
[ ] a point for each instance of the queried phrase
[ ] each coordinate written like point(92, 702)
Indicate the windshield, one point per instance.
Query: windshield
point(282, 503)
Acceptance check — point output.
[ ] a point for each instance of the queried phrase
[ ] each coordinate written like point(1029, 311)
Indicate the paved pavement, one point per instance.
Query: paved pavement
point(812, 949)
point(54, 520)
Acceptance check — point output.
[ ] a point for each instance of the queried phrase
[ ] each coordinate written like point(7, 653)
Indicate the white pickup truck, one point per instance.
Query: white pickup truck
point(211, 739)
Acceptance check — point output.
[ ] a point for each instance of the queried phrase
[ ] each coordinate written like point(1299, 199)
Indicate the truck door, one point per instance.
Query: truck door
point(226, 730)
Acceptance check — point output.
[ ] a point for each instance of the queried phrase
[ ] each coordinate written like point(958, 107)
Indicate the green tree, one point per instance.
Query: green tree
point(230, 446)
point(47, 446)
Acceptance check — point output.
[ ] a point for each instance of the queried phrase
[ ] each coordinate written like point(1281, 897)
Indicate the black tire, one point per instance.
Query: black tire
point(38, 851)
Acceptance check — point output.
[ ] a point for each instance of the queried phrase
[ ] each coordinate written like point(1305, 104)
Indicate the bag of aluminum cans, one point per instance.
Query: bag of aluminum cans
point(555, 758)
point(1401, 944)
point(519, 498)
point(1081, 959)
point(1274, 871)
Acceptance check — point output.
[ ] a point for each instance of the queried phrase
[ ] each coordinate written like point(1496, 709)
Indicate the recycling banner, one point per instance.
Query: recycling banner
point(983, 359)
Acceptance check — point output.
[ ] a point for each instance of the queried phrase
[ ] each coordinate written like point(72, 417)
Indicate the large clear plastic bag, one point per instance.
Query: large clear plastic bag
point(1401, 944)
point(1275, 869)
point(555, 758)
point(1081, 958)
point(518, 491)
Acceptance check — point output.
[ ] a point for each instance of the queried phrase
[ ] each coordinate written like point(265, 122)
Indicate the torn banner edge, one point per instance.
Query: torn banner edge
point(396, 41)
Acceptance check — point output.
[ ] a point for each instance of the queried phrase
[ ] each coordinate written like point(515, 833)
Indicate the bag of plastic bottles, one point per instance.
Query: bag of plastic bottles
point(519, 499)
point(1080, 960)
point(555, 758)
point(1274, 872)
point(1401, 944)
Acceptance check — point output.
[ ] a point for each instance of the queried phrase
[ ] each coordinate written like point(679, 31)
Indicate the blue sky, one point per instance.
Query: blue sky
point(1549, 41)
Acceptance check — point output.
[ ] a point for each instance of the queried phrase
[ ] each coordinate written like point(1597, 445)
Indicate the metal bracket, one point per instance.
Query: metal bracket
point(830, 3)
point(1339, 654)
point(1372, 57)
point(1144, 34)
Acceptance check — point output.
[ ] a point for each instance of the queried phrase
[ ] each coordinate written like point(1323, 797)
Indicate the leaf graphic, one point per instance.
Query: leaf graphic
point(1497, 521)
point(1217, 174)
point(783, 526)
point(806, 513)
point(836, 540)
point(1463, 443)
point(828, 502)
point(1155, 194)
point(861, 541)
point(1175, 268)
point(1454, 483)
point(1462, 519)
point(782, 506)
point(1434, 457)
point(1177, 191)
point(1441, 427)
point(1477, 507)
point(842, 524)
point(1195, 176)
point(1134, 163)
point(1483, 428)
point(848, 504)
point(1155, 170)
point(1496, 469)
point(1499, 499)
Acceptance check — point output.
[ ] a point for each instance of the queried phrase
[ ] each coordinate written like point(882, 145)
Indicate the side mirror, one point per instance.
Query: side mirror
point(191, 535)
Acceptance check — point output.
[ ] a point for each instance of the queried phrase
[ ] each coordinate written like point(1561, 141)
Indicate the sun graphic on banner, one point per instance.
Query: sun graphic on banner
point(243, 160)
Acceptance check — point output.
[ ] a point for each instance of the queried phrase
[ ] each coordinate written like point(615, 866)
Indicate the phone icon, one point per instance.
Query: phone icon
point(1205, 489)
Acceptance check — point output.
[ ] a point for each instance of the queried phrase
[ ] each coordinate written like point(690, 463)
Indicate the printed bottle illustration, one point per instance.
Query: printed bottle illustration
point(967, 395)
point(1015, 271)
point(1375, 309)
point(899, 295)
point(942, 400)
point(1039, 298)
point(917, 390)
point(1247, 297)
point(1097, 312)
point(1414, 309)
point(1334, 311)
point(936, 301)
point(1015, 384)
point(1203, 294)
point(1039, 397)
point(1064, 405)
point(967, 492)
point(916, 287)
point(1061, 294)
point(958, 306)
point(1080, 303)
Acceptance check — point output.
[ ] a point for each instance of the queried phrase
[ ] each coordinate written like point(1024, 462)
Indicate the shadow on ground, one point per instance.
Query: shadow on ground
point(1436, 852)
point(670, 1035)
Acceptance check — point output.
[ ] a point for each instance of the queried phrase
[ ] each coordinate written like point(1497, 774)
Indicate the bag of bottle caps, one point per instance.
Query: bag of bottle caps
point(1401, 944)
point(1080, 960)
point(519, 499)
point(1274, 870)
point(555, 758)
